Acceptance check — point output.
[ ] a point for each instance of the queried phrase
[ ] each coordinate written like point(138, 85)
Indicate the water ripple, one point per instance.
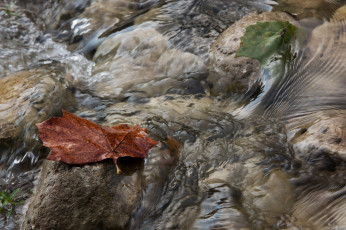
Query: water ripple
point(316, 80)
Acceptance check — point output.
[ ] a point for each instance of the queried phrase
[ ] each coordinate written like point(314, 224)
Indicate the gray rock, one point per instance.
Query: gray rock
point(85, 30)
point(137, 57)
point(17, 36)
point(231, 74)
point(82, 197)
point(327, 134)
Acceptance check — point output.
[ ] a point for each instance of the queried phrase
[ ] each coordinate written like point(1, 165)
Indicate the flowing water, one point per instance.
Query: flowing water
point(253, 161)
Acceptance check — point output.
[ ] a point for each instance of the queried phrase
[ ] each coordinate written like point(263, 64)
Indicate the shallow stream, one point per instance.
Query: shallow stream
point(247, 159)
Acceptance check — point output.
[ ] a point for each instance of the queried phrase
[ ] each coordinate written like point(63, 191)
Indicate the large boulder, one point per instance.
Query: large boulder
point(94, 196)
point(85, 197)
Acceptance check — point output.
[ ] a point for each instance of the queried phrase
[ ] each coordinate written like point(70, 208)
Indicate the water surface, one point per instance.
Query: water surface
point(148, 63)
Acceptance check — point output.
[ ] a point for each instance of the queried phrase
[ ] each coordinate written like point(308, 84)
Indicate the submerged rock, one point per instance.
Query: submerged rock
point(29, 97)
point(321, 195)
point(226, 176)
point(193, 25)
point(230, 168)
point(19, 48)
point(85, 32)
point(326, 133)
point(51, 14)
point(136, 57)
point(321, 186)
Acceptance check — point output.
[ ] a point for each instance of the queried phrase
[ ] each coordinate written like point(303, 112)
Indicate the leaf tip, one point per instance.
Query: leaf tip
point(39, 125)
point(65, 112)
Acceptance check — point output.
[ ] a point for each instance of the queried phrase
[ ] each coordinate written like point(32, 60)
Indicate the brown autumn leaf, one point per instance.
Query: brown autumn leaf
point(75, 140)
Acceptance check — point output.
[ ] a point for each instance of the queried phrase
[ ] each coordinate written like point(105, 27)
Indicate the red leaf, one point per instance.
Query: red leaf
point(75, 140)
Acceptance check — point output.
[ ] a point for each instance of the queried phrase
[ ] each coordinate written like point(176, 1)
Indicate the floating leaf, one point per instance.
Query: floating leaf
point(263, 39)
point(75, 140)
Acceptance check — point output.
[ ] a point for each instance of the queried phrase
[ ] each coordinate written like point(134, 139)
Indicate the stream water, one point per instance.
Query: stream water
point(242, 161)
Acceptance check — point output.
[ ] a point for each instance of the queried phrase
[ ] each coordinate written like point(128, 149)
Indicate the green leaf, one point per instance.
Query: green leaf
point(14, 14)
point(263, 39)
point(8, 10)
point(8, 7)
point(14, 193)
point(5, 203)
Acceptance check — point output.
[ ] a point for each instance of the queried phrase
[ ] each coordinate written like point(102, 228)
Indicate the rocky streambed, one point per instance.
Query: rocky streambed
point(242, 144)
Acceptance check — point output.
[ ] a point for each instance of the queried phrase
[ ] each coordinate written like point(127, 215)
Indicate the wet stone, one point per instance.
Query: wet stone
point(326, 134)
point(321, 195)
point(29, 97)
point(83, 197)
point(194, 25)
point(52, 14)
point(138, 57)
point(225, 177)
point(17, 34)
point(81, 24)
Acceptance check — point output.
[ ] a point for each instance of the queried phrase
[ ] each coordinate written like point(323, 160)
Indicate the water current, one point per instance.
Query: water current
point(272, 156)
